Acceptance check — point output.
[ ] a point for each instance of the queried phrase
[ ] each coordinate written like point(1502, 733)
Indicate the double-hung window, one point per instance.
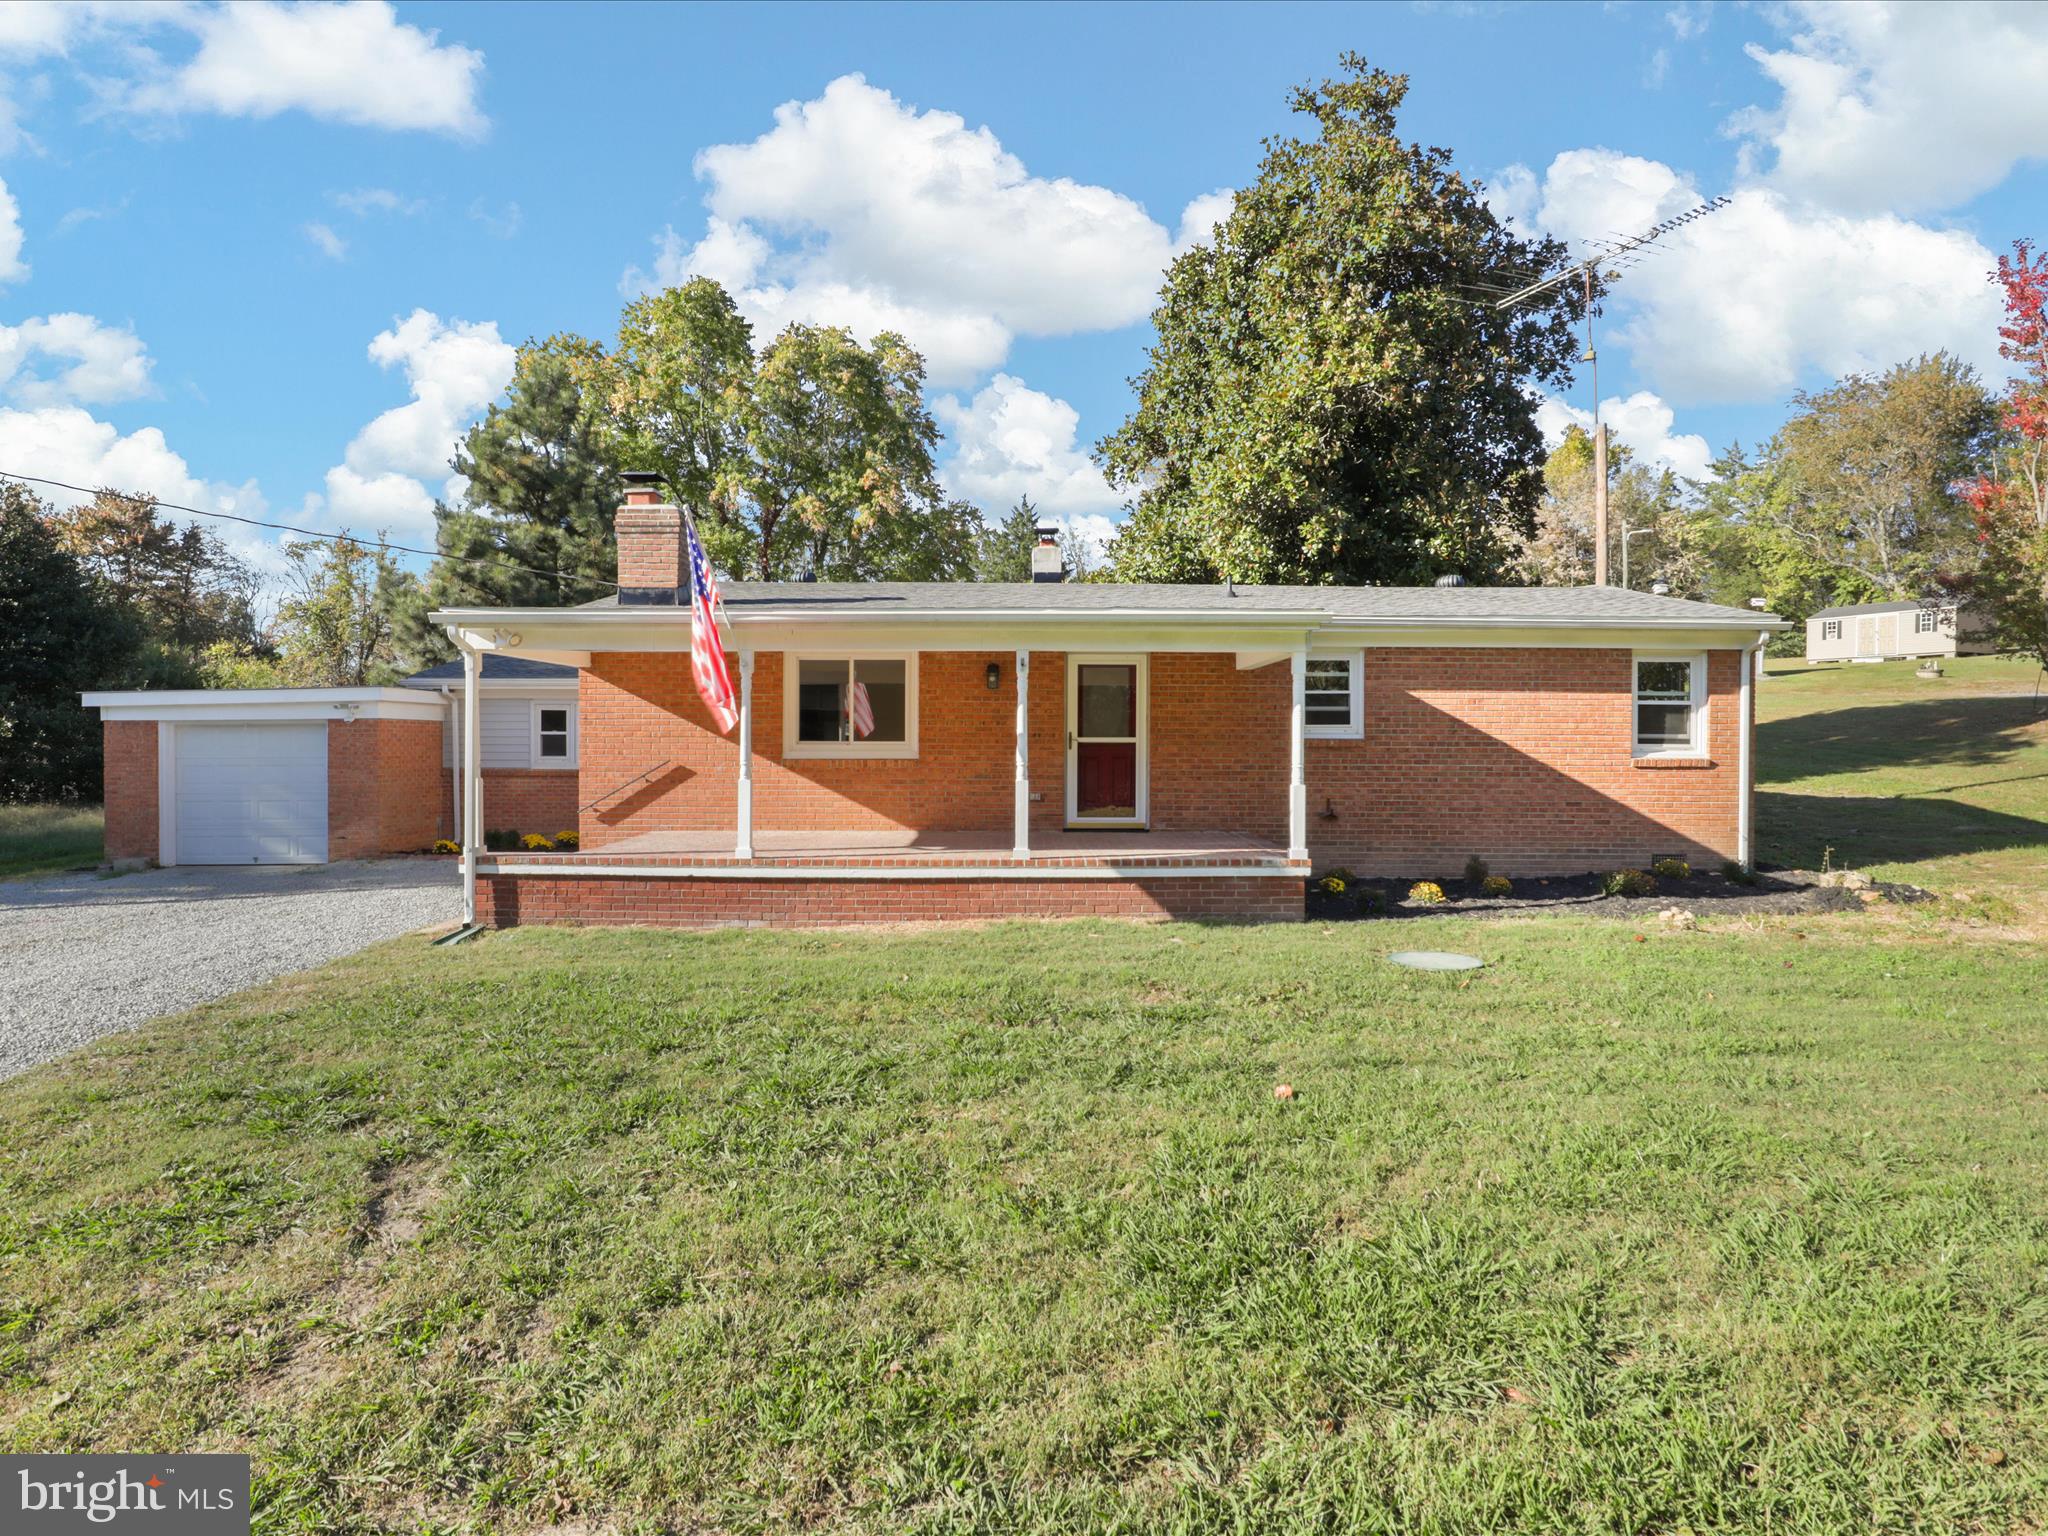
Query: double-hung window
point(1670, 706)
point(850, 706)
point(1335, 695)
point(554, 736)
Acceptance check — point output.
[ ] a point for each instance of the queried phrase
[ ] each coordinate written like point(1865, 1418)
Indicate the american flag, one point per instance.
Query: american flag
point(860, 711)
point(707, 655)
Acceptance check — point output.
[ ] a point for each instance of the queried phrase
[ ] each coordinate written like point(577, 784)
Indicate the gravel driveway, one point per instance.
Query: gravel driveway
point(86, 957)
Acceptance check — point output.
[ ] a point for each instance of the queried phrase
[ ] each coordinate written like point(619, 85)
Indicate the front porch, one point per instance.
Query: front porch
point(901, 848)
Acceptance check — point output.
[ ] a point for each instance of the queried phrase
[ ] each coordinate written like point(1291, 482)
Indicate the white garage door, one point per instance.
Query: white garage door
point(252, 794)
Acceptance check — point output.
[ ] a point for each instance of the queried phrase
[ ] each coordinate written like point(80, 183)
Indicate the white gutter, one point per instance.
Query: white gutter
point(1312, 618)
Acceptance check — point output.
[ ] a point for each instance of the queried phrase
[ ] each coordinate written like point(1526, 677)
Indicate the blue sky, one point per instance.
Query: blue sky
point(273, 259)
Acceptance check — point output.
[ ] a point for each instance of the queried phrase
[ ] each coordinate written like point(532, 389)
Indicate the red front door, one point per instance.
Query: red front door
point(1105, 741)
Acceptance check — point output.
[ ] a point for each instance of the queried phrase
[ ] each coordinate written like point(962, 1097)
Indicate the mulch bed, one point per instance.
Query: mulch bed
point(1784, 892)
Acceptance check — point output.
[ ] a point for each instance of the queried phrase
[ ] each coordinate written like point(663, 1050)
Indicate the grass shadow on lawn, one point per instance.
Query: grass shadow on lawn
point(936, 1231)
point(1796, 831)
point(1896, 739)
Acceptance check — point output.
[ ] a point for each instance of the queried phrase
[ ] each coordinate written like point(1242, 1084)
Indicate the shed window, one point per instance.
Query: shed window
point(1926, 621)
point(1670, 705)
point(1831, 629)
point(1334, 696)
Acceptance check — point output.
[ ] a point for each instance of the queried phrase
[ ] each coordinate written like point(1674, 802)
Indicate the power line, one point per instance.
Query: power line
point(313, 533)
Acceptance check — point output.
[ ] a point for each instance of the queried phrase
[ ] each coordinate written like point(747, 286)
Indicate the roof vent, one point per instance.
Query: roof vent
point(1660, 588)
point(1451, 580)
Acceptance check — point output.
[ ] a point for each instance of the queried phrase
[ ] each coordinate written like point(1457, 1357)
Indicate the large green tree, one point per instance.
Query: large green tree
point(64, 633)
point(1865, 474)
point(1333, 395)
point(338, 627)
point(535, 525)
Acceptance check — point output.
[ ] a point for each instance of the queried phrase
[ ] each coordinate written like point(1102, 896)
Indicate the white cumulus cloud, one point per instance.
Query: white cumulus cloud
point(96, 363)
point(351, 63)
point(326, 241)
point(858, 209)
point(454, 368)
point(1641, 422)
point(1752, 301)
point(1893, 107)
point(1011, 441)
point(12, 268)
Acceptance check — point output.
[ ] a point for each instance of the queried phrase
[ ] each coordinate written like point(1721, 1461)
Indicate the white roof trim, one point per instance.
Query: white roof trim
point(257, 704)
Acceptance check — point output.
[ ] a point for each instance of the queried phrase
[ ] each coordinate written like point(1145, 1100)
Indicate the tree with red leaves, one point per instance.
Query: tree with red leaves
point(2009, 584)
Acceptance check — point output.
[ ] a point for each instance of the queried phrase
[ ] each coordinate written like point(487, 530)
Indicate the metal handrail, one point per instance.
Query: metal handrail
point(616, 788)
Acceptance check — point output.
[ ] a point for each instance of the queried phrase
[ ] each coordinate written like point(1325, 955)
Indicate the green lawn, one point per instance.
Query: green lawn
point(1003, 1230)
point(49, 839)
point(1942, 783)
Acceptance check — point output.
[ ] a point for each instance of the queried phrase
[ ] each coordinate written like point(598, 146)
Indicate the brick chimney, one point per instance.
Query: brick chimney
point(650, 534)
point(1046, 562)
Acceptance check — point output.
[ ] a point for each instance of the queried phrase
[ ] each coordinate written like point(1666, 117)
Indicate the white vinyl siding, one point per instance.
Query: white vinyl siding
point(511, 731)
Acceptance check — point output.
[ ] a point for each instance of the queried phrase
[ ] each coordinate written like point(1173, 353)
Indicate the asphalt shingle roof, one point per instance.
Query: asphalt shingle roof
point(1855, 608)
point(1448, 605)
point(496, 668)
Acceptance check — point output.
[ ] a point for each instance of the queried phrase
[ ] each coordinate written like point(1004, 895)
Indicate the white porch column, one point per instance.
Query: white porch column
point(1023, 807)
point(743, 848)
point(1297, 773)
point(472, 779)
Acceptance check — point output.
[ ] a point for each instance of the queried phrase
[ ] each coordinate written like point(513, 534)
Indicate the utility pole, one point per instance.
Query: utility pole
point(1592, 360)
point(1622, 254)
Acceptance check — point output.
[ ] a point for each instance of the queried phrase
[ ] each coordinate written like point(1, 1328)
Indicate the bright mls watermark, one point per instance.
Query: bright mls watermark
point(164, 1495)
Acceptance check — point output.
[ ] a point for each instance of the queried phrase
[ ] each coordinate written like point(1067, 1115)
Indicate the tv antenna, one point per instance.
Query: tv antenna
point(1617, 255)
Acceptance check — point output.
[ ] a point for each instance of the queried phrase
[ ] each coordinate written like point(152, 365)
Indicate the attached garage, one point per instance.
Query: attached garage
point(271, 776)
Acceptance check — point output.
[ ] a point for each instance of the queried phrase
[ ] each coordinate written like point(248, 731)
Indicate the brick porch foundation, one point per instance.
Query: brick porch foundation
point(685, 901)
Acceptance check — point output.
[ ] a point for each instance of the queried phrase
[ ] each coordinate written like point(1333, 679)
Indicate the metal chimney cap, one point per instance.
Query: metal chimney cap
point(641, 476)
point(1453, 579)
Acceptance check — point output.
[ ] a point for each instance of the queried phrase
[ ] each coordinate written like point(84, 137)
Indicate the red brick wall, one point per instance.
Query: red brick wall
point(129, 788)
point(506, 900)
point(383, 783)
point(542, 800)
point(1520, 756)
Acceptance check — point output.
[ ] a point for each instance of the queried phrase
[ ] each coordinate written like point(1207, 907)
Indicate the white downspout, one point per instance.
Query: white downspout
point(454, 723)
point(472, 786)
point(1020, 814)
point(743, 843)
point(1744, 771)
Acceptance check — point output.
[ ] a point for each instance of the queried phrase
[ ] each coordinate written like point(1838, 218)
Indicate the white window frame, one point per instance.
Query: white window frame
point(1355, 731)
point(533, 736)
point(797, 751)
point(1831, 629)
point(1696, 744)
point(1927, 621)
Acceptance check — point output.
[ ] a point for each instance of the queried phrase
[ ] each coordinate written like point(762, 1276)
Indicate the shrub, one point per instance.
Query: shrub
point(1476, 870)
point(1496, 885)
point(568, 839)
point(1630, 882)
point(1332, 884)
point(446, 845)
point(1671, 869)
point(533, 842)
point(1427, 892)
point(1371, 900)
point(501, 839)
point(1741, 874)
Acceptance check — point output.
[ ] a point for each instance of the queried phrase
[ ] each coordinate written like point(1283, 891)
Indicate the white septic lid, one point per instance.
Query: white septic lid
point(1435, 960)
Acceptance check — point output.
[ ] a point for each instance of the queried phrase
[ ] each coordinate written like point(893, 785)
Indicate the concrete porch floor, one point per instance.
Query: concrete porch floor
point(973, 846)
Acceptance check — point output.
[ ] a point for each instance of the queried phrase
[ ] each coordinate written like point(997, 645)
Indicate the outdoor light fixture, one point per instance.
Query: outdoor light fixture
point(994, 676)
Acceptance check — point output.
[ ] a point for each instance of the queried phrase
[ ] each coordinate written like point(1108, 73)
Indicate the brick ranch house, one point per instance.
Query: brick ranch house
point(306, 775)
point(1055, 749)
